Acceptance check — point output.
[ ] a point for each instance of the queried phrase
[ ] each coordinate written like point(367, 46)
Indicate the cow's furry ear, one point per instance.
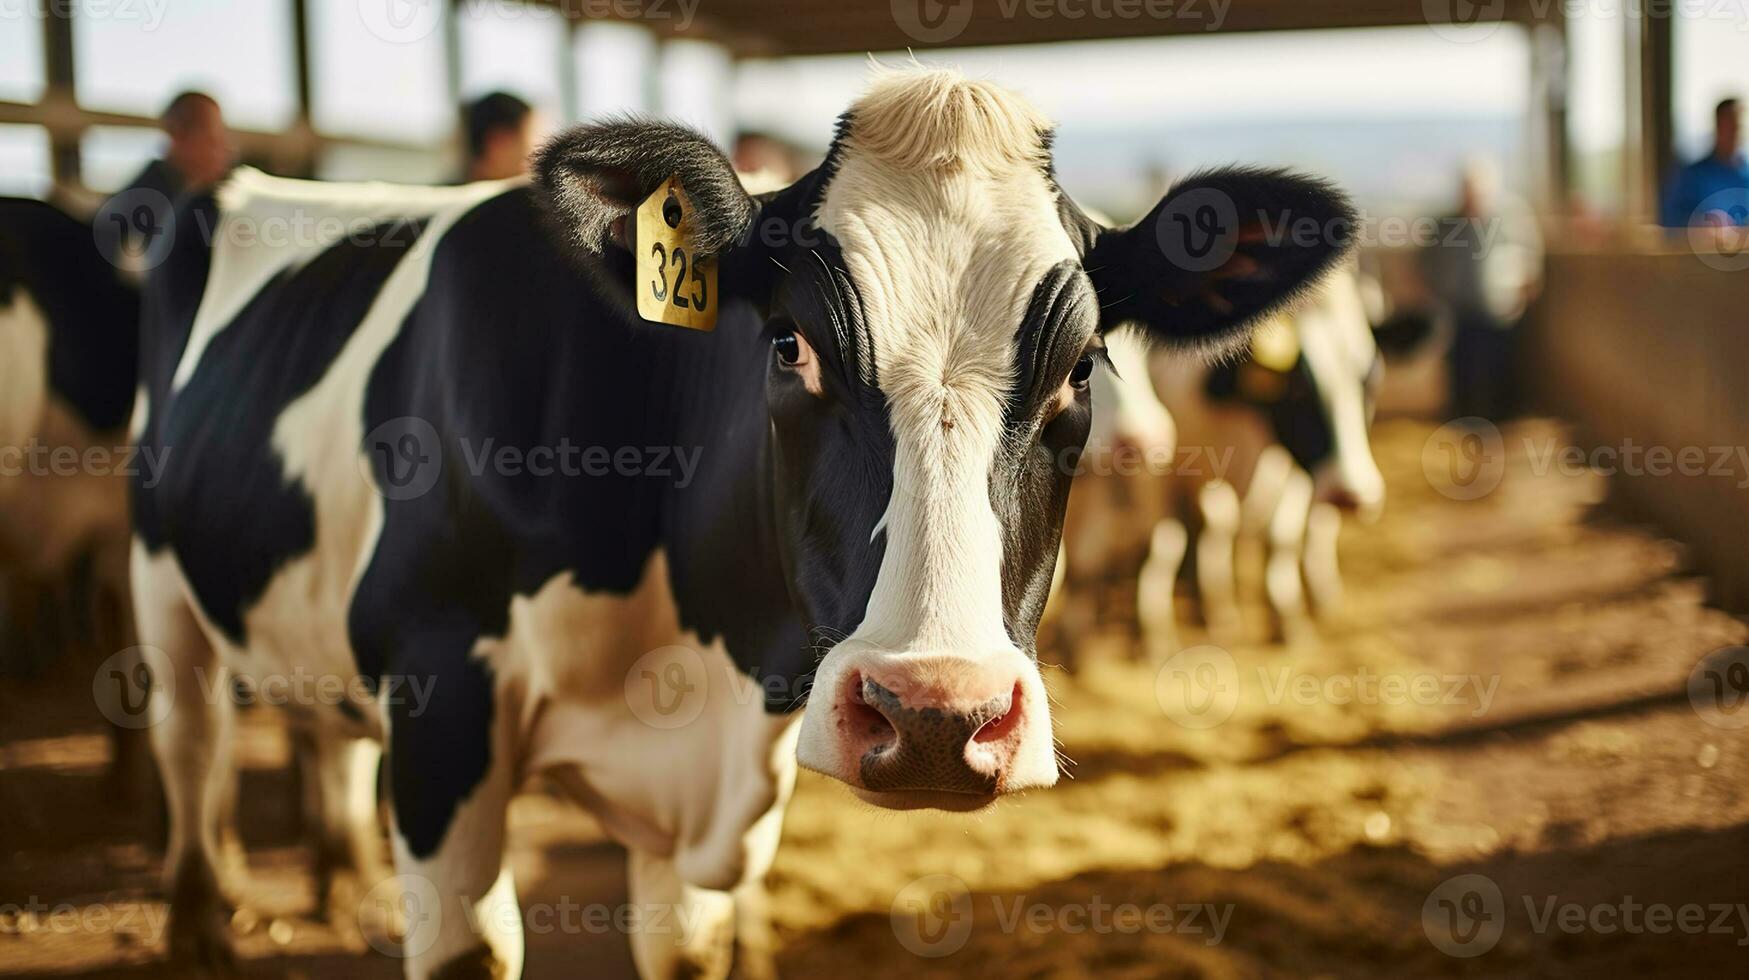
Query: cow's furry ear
point(593, 177)
point(1218, 254)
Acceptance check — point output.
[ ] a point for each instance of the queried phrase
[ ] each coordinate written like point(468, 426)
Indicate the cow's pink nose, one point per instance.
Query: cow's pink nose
point(919, 740)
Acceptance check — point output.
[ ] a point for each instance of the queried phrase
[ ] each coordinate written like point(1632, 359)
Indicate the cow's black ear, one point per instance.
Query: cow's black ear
point(593, 177)
point(1220, 252)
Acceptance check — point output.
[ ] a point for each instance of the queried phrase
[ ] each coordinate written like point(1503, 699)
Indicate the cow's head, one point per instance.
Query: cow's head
point(1315, 377)
point(934, 306)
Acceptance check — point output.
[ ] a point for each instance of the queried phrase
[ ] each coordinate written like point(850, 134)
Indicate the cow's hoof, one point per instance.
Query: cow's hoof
point(340, 907)
point(475, 964)
point(200, 917)
point(200, 946)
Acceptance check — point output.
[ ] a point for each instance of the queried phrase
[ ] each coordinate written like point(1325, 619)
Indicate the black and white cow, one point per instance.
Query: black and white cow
point(844, 497)
point(1277, 450)
point(68, 348)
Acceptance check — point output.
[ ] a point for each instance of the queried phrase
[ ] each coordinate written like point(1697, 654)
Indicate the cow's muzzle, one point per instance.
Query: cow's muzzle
point(909, 730)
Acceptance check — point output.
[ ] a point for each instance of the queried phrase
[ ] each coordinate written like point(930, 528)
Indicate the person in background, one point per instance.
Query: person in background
point(200, 154)
point(1485, 267)
point(501, 131)
point(1694, 195)
point(764, 161)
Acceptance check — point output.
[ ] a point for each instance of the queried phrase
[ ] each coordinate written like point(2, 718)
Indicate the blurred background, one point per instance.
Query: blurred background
point(1579, 615)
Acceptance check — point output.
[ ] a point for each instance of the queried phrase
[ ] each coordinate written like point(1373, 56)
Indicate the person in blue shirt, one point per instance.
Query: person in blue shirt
point(1702, 192)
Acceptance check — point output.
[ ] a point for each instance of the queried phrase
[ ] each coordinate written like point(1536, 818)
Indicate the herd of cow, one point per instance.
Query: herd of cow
point(911, 341)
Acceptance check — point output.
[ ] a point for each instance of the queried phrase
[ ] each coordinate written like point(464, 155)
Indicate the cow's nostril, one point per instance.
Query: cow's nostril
point(862, 717)
point(1007, 716)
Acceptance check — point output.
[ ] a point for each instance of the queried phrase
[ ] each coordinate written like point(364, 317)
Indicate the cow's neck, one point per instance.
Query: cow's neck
point(707, 407)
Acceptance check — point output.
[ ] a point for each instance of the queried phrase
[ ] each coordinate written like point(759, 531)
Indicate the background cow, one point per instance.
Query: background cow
point(867, 527)
point(1281, 452)
point(68, 345)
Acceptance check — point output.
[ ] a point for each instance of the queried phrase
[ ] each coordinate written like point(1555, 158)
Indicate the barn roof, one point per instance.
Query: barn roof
point(806, 27)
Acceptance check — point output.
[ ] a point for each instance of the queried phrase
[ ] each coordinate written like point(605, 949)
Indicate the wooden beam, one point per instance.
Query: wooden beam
point(763, 28)
point(58, 65)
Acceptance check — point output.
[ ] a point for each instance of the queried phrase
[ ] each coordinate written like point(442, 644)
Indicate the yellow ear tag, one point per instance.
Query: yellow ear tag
point(1276, 345)
point(672, 284)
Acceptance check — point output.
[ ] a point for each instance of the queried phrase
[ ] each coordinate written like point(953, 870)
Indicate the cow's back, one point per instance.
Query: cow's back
point(265, 324)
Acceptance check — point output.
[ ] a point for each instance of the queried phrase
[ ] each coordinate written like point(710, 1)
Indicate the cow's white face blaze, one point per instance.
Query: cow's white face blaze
point(933, 304)
point(946, 230)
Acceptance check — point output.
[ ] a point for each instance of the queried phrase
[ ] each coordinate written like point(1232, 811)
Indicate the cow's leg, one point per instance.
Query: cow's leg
point(191, 694)
point(1218, 503)
point(683, 930)
point(1155, 610)
point(1281, 574)
point(131, 779)
point(452, 765)
point(340, 805)
point(1323, 575)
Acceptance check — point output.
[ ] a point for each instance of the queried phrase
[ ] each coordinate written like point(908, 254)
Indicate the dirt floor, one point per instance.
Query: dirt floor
point(1492, 766)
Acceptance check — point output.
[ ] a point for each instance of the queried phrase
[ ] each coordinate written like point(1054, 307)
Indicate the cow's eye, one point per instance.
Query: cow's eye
point(788, 347)
point(1083, 372)
point(792, 348)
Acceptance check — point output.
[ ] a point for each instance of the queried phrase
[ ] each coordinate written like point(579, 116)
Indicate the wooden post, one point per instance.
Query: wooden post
point(58, 64)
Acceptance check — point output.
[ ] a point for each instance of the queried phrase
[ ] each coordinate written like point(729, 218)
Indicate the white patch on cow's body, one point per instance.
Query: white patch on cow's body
point(55, 503)
point(1125, 409)
point(267, 225)
point(1338, 344)
point(24, 365)
point(661, 735)
point(947, 223)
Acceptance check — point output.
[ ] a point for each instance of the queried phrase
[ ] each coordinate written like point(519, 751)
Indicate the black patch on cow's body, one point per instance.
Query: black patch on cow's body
point(1295, 407)
point(510, 347)
point(92, 314)
point(224, 503)
point(167, 312)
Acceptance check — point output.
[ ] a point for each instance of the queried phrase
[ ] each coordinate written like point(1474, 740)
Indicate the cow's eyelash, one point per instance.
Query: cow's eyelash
point(1102, 357)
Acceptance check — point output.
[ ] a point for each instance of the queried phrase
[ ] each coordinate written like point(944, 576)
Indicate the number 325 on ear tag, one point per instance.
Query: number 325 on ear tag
point(673, 285)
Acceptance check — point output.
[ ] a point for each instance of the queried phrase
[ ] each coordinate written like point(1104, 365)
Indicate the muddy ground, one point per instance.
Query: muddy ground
point(1492, 766)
